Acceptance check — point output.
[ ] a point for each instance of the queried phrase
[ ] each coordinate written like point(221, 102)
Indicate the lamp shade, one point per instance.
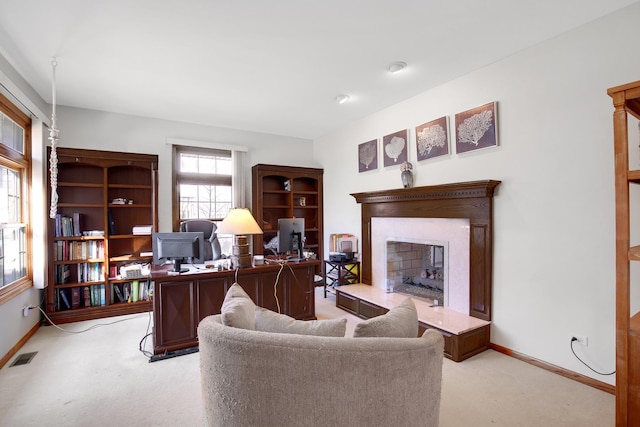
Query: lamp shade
point(239, 221)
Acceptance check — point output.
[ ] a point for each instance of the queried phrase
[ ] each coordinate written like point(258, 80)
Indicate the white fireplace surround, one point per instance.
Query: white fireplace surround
point(454, 231)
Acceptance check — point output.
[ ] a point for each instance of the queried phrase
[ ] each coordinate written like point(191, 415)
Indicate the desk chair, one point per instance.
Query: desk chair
point(212, 250)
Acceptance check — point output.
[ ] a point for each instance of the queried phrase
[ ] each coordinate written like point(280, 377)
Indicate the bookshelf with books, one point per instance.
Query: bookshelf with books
point(107, 210)
point(287, 192)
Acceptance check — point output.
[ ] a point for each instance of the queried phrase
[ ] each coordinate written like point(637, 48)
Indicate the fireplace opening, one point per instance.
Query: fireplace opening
point(418, 268)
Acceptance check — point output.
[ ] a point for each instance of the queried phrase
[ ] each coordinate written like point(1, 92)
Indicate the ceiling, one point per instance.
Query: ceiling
point(267, 66)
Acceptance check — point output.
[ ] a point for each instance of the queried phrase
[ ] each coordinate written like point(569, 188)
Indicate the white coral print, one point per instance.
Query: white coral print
point(367, 153)
point(394, 148)
point(472, 129)
point(431, 137)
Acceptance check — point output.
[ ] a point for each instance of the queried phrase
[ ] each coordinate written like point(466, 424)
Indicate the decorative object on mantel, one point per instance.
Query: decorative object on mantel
point(53, 137)
point(395, 148)
point(432, 139)
point(368, 156)
point(477, 128)
point(406, 175)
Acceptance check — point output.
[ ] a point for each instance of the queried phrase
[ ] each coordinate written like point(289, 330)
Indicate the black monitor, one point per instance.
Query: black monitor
point(178, 248)
point(290, 235)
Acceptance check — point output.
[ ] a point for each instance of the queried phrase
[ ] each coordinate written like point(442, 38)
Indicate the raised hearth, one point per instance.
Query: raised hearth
point(464, 336)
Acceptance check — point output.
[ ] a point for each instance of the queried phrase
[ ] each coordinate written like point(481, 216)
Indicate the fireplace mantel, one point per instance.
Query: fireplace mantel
point(468, 200)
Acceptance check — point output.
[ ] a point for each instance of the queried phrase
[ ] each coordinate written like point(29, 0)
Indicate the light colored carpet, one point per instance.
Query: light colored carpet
point(100, 378)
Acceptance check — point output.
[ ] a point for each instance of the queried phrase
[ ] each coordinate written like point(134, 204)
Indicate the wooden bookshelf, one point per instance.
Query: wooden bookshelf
point(288, 192)
point(626, 102)
point(91, 238)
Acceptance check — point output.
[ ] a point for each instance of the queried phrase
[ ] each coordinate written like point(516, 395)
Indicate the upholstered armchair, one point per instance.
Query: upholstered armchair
point(260, 368)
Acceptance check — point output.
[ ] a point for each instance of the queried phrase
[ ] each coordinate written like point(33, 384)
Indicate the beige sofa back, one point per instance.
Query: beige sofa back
point(252, 378)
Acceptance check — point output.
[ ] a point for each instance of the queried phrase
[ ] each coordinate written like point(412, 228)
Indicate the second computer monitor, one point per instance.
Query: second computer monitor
point(290, 235)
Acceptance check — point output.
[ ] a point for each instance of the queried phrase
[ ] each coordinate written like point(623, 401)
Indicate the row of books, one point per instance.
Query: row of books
point(95, 295)
point(134, 291)
point(80, 296)
point(69, 250)
point(85, 272)
point(66, 226)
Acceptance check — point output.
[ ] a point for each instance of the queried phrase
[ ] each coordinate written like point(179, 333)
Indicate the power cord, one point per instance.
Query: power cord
point(144, 340)
point(275, 286)
point(140, 346)
point(574, 353)
point(84, 330)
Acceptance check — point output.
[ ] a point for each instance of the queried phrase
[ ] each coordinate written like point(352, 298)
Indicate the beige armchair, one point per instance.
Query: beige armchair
point(254, 378)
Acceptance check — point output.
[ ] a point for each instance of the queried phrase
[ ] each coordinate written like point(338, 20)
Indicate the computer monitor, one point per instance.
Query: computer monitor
point(179, 247)
point(290, 235)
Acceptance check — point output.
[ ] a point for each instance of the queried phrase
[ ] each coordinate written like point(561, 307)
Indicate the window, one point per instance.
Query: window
point(15, 167)
point(203, 186)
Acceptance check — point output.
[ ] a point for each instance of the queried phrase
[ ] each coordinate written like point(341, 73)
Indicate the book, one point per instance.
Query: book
point(64, 298)
point(75, 297)
point(77, 224)
point(135, 289)
point(103, 296)
point(86, 293)
point(126, 290)
point(142, 229)
point(118, 292)
point(112, 223)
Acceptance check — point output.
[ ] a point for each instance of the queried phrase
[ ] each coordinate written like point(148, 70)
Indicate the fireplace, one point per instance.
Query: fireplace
point(416, 235)
point(467, 207)
point(418, 268)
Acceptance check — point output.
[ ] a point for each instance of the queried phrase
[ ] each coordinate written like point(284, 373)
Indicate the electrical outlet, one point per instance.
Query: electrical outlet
point(582, 339)
point(25, 311)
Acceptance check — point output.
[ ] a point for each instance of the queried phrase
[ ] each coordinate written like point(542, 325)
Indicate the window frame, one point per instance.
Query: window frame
point(22, 162)
point(196, 179)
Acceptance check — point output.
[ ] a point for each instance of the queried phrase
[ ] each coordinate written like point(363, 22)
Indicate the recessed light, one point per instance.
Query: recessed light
point(341, 99)
point(394, 67)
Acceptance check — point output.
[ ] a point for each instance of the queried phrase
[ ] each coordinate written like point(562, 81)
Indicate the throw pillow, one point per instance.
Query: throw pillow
point(270, 321)
point(238, 310)
point(399, 322)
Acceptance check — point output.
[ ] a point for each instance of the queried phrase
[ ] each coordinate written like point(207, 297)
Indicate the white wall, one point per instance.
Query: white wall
point(96, 130)
point(554, 211)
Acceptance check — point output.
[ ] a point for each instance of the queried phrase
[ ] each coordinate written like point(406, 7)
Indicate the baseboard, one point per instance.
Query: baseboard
point(608, 388)
point(18, 345)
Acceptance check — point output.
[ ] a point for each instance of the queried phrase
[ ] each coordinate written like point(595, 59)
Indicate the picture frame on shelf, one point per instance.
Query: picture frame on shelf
point(432, 139)
point(368, 156)
point(395, 148)
point(477, 128)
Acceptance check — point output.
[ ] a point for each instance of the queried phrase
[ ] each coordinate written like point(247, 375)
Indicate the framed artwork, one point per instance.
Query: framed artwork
point(395, 148)
point(368, 156)
point(432, 139)
point(477, 128)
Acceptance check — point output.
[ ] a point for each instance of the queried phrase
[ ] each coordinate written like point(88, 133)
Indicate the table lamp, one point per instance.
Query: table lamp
point(240, 223)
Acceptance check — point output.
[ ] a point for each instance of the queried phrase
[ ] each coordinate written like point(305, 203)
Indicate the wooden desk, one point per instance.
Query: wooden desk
point(181, 301)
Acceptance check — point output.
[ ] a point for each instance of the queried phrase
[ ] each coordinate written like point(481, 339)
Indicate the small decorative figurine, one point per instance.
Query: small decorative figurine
point(406, 175)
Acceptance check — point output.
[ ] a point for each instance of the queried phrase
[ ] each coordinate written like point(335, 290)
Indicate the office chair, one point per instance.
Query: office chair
point(212, 251)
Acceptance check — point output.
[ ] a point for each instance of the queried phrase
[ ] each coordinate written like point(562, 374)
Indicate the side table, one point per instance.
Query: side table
point(340, 273)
